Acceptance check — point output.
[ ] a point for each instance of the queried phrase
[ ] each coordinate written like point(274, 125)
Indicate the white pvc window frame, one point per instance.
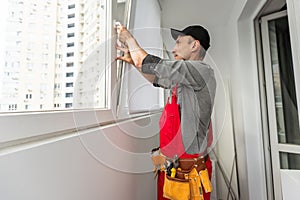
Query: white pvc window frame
point(24, 127)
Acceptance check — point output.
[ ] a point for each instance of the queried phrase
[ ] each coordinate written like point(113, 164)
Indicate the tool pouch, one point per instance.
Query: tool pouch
point(195, 185)
point(204, 177)
point(176, 189)
point(187, 184)
point(188, 188)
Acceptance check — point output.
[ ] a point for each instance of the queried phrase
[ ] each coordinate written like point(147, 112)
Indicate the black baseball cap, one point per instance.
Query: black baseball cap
point(197, 32)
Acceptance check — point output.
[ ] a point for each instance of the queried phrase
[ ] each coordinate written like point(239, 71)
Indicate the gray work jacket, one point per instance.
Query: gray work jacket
point(196, 93)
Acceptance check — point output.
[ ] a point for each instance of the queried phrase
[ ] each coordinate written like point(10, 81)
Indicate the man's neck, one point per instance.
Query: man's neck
point(195, 57)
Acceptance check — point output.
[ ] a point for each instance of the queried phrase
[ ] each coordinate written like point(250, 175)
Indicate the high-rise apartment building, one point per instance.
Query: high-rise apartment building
point(27, 70)
point(67, 52)
point(91, 80)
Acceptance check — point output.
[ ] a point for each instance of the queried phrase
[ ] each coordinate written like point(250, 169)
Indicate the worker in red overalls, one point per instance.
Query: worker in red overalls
point(186, 118)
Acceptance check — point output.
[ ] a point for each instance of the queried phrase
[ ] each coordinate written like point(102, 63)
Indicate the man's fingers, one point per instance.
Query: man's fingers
point(125, 50)
point(120, 28)
point(119, 48)
point(118, 25)
point(119, 58)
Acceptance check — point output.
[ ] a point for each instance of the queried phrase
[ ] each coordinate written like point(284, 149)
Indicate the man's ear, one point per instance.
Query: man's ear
point(196, 45)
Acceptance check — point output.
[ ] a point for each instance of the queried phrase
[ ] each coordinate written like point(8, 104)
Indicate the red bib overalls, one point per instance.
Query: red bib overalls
point(171, 140)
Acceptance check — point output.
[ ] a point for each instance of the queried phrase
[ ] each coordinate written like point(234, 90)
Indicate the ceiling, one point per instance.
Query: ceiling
point(179, 13)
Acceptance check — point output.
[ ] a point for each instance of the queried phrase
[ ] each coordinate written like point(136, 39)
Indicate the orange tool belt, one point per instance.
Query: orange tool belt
point(190, 180)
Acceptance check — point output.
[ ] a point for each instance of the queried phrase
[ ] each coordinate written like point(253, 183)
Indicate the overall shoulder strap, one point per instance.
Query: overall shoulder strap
point(174, 93)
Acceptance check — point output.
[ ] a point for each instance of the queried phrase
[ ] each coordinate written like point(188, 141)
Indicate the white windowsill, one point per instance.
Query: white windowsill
point(20, 128)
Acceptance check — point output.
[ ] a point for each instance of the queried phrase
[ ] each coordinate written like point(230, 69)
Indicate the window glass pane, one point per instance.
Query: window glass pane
point(71, 6)
point(70, 64)
point(43, 54)
point(284, 82)
point(70, 54)
point(71, 25)
point(70, 35)
point(289, 160)
point(70, 74)
point(71, 16)
point(71, 44)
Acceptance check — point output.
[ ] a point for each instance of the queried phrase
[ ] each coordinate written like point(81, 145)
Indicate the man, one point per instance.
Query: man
point(193, 79)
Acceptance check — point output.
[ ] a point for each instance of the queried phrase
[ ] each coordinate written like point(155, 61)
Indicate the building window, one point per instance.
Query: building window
point(70, 16)
point(70, 54)
point(68, 95)
point(71, 44)
point(70, 74)
point(28, 96)
point(56, 105)
point(12, 107)
point(56, 86)
point(70, 35)
point(69, 84)
point(71, 6)
point(68, 105)
point(58, 56)
point(27, 107)
point(71, 25)
point(70, 64)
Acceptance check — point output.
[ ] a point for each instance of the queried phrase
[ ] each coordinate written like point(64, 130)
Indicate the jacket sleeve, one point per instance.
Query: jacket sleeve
point(168, 72)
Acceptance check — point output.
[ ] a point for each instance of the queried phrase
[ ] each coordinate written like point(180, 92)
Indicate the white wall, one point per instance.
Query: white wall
point(111, 162)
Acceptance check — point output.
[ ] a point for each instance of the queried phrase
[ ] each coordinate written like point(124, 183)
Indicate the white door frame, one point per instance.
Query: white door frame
point(276, 147)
